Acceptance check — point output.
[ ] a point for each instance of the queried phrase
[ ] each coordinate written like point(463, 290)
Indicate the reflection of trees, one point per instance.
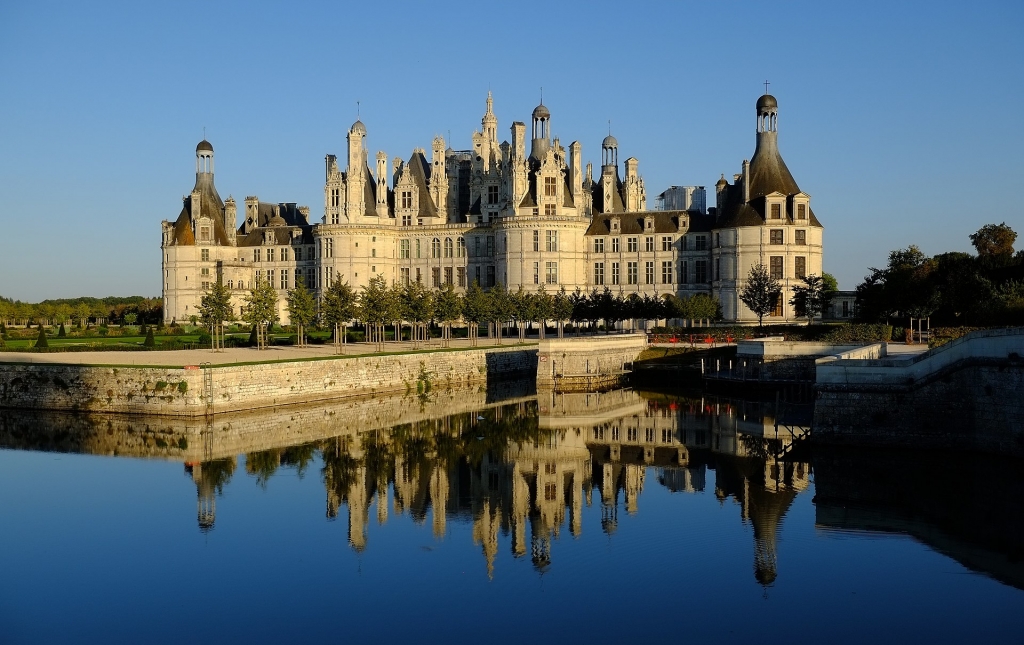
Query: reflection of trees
point(263, 465)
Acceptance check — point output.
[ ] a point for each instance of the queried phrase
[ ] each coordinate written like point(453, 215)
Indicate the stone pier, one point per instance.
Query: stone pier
point(588, 362)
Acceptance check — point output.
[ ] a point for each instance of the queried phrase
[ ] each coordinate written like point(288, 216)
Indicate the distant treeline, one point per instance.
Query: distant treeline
point(81, 311)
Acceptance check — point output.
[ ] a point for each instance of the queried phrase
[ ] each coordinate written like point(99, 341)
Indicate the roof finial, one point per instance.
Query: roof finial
point(609, 127)
point(766, 84)
point(542, 95)
point(204, 133)
point(357, 111)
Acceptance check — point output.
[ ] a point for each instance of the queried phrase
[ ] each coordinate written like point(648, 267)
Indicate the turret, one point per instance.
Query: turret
point(576, 171)
point(438, 176)
point(541, 132)
point(382, 184)
point(489, 123)
point(230, 218)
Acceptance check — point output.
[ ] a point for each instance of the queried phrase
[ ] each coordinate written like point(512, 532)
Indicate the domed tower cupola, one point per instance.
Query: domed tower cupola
point(541, 131)
point(610, 152)
point(204, 158)
point(490, 122)
point(767, 114)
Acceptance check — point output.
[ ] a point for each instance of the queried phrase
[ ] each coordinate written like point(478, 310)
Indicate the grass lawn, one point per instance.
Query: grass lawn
point(97, 341)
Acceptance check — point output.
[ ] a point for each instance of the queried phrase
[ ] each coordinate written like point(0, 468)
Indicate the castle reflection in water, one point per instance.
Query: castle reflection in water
point(526, 468)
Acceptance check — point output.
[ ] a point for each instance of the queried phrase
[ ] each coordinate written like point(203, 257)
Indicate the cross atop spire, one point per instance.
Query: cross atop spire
point(766, 84)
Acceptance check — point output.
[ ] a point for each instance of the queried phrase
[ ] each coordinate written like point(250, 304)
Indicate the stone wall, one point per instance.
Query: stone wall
point(181, 392)
point(588, 361)
point(965, 395)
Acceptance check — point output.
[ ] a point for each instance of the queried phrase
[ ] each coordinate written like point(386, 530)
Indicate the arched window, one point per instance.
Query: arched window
point(461, 248)
point(435, 248)
point(418, 247)
point(448, 247)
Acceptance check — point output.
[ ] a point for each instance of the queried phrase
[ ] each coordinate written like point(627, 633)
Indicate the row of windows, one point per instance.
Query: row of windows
point(550, 241)
point(776, 211)
point(456, 249)
point(777, 236)
point(271, 255)
point(633, 434)
point(405, 276)
point(632, 273)
point(550, 273)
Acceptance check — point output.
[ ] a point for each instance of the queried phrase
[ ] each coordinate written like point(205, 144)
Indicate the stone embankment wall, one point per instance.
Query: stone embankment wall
point(181, 392)
point(227, 435)
point(964, 395)
point(585, 362)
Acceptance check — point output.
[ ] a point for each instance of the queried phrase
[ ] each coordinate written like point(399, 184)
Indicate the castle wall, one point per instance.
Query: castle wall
point(181, 392)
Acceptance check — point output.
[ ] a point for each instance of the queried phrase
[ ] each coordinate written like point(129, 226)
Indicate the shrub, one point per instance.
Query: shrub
point(941, 335)
point(150, 341)
point(252, 337)
point(857, 333)
point(41, 340)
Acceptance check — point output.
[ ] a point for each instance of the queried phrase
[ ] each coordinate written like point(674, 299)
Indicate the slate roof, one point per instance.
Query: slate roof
point(633, 223)
point(419, 169)
point(265, 220)
point(210, 204)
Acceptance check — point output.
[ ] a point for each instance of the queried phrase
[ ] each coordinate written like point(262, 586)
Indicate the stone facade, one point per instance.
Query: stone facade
point(498, 213)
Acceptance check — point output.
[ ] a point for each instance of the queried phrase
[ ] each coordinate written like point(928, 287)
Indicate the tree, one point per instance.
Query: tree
point(62, 333)
point(130, 318)
point(994, 240)
point(375, 308)
point(761, 292)
point(214, 308)
point(150, 341)
point(338, 307)
point(543, 308)
point(41, 339)
point(501, 307)
point(260, 309)
point(417, 307)
point(906, 286)
point(475, 309)
point(447, 309)
point(811, 298)
point(301, 310)
point(561, 309)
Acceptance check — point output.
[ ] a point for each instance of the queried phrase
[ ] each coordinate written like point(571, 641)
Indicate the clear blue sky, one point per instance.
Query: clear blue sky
point(904, 121)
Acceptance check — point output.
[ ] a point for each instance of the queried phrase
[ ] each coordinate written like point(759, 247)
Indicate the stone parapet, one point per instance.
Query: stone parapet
point(588, 361)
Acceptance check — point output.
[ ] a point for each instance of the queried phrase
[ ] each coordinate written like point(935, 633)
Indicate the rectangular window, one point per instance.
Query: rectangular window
point(649, 244)
point(778, 307)
point(846, 309)
point(435, 277)
point(204, 233)
point(801, 236)
point(700, 243)
point(270, 255)
point(448, 271)
point(492, 194)
point(403, 249)
point(775, 236)
point(406, 220)
point(205, 271)
point(284, 278)
point(406, 199)
point(615, 273)
point(666, 272)
point(615, 245)
point(551, 239)
point(598, 245)
point(800, 267)
point(231, 284)
point(311, 278)
point(259, 276)
point(461, 272)
point(270, 277)
point(775, 267)
point(284, 255)
point(632, 244)
point(205, 253)
point(490, 275)
point(460, 247)
point(718, 268)
point(536, 240)
point(550, 210)
point(648, 273)
point(550, 492)
point(776, 211)
point(631, 273)
point(418, 249)
point(801, 211)
point(666, 243)
point(536, 272)
point(700, 271)
point(255, 255)
point(551, 272)
point(682, 272)
point(419, 275)
point(550, 187)
point(599, 273)
point(404, 273)
point(490, 246)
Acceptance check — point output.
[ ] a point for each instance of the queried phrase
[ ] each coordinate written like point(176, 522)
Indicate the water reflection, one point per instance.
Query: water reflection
point(522, 467)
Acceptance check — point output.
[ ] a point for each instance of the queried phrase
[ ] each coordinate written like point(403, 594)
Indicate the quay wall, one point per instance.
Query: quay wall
point(588, 361)
point(171, 391)
point(964, 395)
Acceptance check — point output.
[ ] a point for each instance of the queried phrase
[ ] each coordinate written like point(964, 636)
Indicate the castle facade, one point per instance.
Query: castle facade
point(500, 213)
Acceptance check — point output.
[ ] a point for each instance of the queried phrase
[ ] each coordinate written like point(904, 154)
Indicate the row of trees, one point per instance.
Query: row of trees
point(81, 311)
point(762, 294)
point(379, 306)
point(951, 288)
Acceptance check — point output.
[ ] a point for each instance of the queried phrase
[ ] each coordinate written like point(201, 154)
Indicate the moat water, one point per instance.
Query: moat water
point(499, 516)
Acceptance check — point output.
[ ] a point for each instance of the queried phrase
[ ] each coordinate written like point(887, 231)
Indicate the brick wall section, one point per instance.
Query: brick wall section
point(179, 392)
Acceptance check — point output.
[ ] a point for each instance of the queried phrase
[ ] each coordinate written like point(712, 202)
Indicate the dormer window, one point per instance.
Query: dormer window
point(615, 225)
point(649, 224)
point(406, 199)
point(776, 211)
point(204, 233)
point(801, 211)
point(550, 187)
